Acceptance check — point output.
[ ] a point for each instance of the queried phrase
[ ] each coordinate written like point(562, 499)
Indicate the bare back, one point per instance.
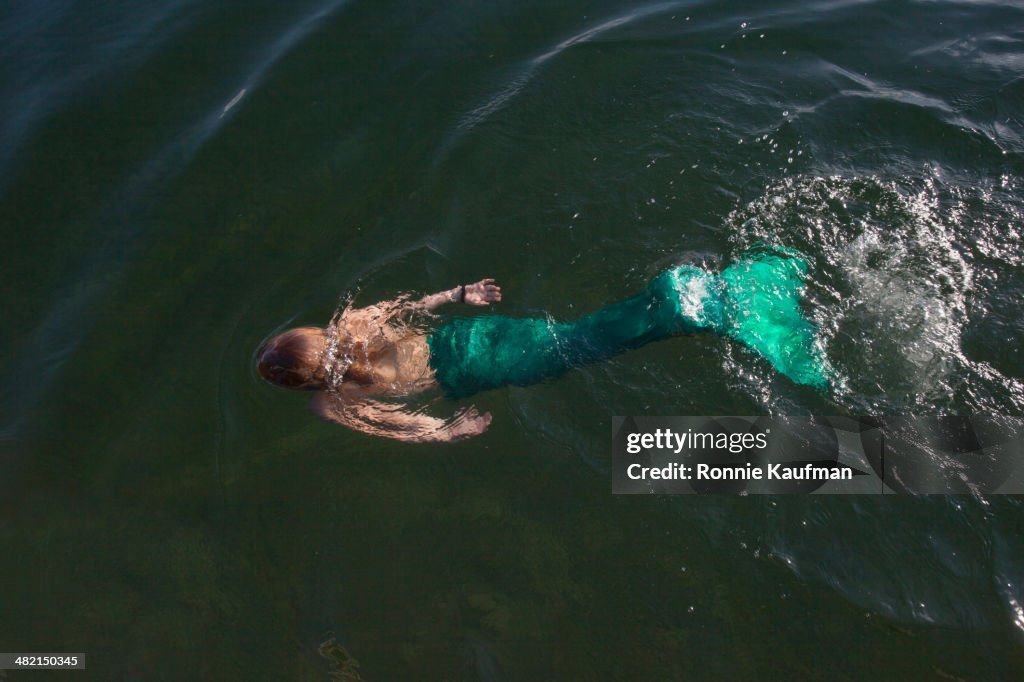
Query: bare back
point(391, 359)
point(396, 362)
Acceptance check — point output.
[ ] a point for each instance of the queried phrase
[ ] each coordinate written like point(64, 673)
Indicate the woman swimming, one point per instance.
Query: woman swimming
point(369, 354)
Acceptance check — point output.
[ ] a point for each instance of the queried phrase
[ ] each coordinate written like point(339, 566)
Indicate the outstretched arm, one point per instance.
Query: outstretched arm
point(390, 421)
point(369, 320)
point(479, 293)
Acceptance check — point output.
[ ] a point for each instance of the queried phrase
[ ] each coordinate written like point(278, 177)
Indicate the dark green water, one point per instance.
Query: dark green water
point(180, 179)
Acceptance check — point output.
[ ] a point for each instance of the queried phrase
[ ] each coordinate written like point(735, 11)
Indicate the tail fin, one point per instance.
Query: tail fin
point(762, 309)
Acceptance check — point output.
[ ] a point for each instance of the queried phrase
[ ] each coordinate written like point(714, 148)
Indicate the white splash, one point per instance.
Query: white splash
point(895, 274)
point(693, 291)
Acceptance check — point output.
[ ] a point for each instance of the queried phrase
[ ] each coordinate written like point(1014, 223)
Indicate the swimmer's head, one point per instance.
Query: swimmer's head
point(295, 359)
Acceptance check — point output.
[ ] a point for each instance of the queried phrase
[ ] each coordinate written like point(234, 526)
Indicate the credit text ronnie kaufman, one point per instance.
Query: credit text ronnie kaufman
point(740, 472)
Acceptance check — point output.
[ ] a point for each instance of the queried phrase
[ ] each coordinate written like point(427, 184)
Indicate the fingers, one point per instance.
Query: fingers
point(469, 423)
point(481, 423)
point(471, 414)
point(483, 292)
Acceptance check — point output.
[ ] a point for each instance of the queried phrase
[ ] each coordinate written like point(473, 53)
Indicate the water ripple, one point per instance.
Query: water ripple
point(65, 324)
point(525, 72)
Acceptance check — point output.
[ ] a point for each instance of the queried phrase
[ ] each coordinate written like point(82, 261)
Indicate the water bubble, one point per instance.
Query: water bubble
point(743, 25)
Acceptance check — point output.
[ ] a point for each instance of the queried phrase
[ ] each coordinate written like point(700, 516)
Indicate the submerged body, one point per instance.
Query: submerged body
point(755, 301)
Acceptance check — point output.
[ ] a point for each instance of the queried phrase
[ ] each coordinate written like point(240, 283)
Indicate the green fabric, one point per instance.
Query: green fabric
point(755, 301)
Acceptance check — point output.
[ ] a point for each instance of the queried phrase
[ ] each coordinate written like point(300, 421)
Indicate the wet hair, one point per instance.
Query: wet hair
point(294, 359)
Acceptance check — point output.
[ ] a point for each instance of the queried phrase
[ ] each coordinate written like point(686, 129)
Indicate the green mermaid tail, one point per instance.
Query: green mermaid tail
point(755, 301)
point(763, 313)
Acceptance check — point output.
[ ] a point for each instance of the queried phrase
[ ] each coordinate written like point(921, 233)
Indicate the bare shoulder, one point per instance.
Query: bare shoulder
point(359, 321)
point(321, 402)
point(381, 321)
point(326, 405)
point(329, 404)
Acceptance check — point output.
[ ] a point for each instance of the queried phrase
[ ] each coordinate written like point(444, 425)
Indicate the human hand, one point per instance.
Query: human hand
point(470, 423)
point(483, 292)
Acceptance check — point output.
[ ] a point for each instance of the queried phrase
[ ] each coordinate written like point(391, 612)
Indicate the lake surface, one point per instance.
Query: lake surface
point(179, 180)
